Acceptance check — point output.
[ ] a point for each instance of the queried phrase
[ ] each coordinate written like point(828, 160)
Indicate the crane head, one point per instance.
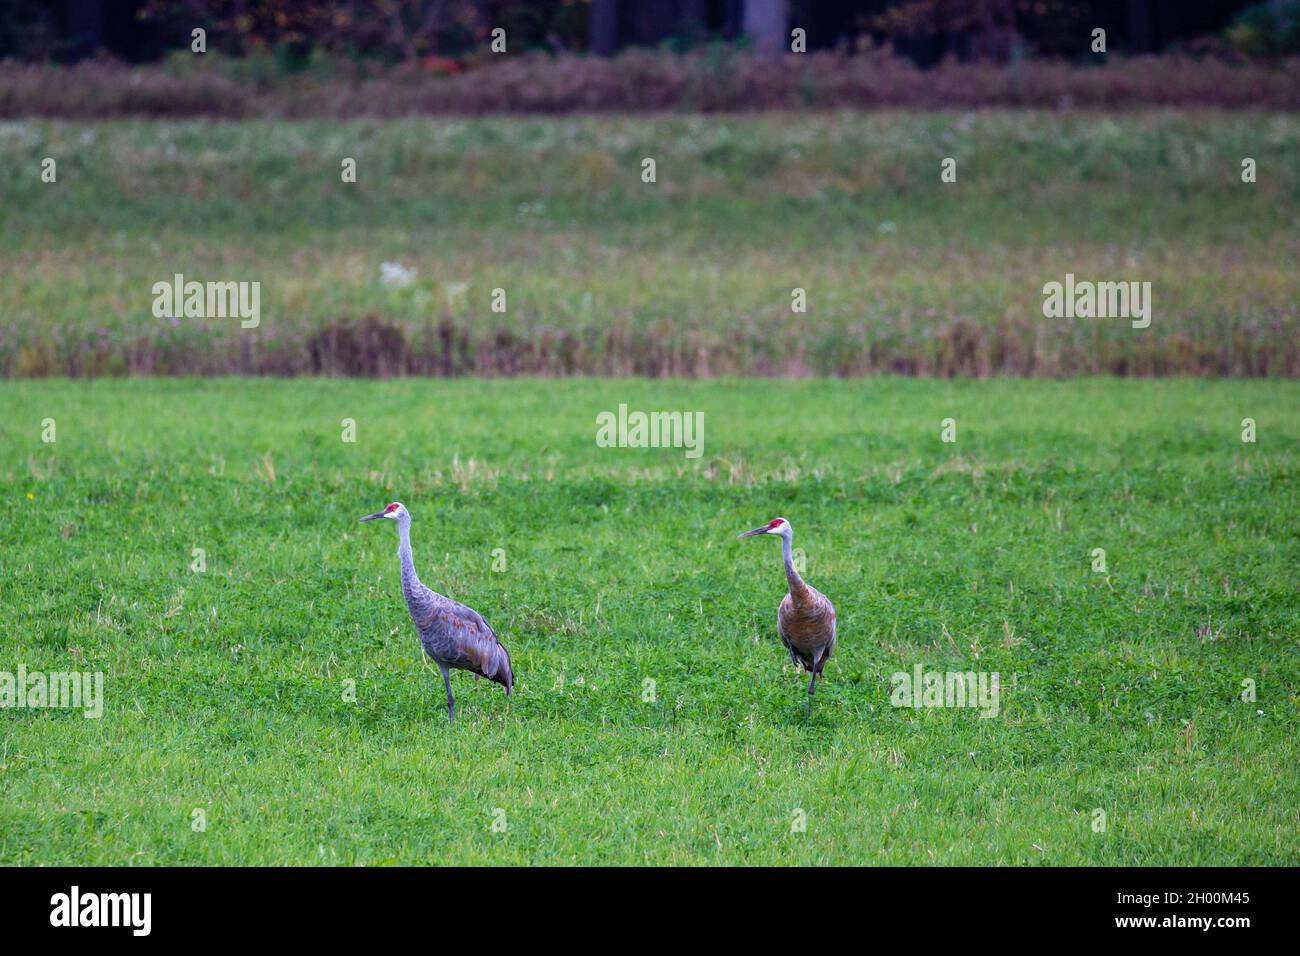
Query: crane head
point(776, 526)
point(394, 511)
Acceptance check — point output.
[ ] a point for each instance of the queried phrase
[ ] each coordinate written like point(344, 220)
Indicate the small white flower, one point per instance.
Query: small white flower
point(395, 274)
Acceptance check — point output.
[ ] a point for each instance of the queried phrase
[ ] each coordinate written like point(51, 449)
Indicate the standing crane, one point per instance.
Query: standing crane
point(452, 634)
point(806, 618)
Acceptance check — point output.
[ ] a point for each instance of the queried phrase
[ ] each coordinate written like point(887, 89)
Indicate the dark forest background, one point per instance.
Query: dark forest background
point(140, 31)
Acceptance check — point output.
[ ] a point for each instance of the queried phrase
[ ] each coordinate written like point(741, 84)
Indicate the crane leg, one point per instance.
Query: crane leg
point(812, 684)
point(451, 701)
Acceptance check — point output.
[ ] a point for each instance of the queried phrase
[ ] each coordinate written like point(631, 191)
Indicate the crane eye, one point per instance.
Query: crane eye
point(390, 508)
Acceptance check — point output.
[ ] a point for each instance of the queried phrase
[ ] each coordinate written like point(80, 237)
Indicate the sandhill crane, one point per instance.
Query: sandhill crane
point(806, 618)
point(452, 634)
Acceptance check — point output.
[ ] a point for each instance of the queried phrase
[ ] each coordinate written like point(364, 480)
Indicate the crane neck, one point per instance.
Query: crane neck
point(409, 577)
point(791, 575)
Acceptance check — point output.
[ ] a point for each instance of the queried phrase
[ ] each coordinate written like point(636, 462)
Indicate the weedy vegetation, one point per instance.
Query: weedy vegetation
point(692, 275)
point(715, 78)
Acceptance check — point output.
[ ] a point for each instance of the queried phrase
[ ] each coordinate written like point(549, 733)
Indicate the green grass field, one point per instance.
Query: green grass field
point(225, 690)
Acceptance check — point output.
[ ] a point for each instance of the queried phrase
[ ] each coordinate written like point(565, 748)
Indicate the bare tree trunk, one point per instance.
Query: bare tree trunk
point(765, 24)
point(1140, 26)
point(602, 27)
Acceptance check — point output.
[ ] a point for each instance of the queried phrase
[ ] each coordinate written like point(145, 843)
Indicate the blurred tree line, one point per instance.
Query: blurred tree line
point(404, 30)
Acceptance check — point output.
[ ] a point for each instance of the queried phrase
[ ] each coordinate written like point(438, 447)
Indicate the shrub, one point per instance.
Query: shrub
point(709, 79)
point(1267, 29)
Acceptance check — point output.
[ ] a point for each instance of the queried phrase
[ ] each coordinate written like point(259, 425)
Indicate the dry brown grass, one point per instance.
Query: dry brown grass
point(703, 81)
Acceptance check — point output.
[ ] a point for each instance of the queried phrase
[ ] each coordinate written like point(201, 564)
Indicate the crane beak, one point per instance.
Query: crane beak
point(377, 514)
point(750, 534)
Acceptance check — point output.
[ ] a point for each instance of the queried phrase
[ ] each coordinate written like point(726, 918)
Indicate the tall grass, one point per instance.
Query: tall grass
point(691, 275)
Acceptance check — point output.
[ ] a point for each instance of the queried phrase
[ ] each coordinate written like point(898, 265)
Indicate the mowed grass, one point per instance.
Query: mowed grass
point(693, 274)
point(1121, 692)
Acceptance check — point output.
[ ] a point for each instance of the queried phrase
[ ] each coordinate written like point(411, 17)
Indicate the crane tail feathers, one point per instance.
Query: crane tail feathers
point(505, 675)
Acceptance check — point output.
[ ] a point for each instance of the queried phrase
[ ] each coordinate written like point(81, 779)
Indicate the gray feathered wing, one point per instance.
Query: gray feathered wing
point(458, 636)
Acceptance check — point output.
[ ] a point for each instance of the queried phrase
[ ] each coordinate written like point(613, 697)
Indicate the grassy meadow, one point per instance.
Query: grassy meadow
point(179, 505)
point(692, 275)
point(226, 689)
